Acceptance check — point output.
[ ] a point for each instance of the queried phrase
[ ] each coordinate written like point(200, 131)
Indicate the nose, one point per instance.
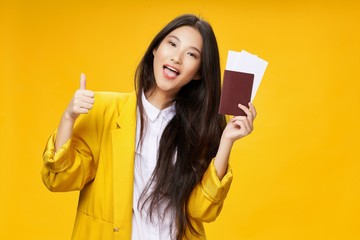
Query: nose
point(176, 60)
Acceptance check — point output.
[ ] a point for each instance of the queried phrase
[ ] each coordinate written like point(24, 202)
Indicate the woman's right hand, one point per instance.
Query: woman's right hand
point(82, 101)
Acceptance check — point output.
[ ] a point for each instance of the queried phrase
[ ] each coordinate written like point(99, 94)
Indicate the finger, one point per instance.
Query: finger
point(87, 99)
point(84, 93)
point(85, 105)
point(245, 125)
point(246, 110)
point(253, 110)
point(82, 81)
point(237, 118)
point(243, 129)
point(81, 98)
point(87, 93)
point(80, 110)
point(78, 105)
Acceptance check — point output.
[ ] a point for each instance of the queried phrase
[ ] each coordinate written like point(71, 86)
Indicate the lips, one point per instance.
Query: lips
point(170, 72)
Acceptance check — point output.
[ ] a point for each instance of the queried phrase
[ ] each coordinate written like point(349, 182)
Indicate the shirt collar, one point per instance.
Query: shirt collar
point(152, 112)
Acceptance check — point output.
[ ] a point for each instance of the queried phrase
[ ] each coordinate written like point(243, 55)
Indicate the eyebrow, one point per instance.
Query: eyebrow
point(195, 48)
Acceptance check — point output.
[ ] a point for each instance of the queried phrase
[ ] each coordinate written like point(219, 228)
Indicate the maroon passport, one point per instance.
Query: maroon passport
point(237, 87)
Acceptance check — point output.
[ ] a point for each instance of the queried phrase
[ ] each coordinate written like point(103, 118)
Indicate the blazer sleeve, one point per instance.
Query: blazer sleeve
point(75, 163)
point(207, 198)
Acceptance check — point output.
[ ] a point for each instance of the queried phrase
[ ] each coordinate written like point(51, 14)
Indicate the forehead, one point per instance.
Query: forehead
point(188, 36)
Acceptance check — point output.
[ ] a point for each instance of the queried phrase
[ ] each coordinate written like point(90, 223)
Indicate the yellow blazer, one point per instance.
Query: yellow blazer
point(99, 161)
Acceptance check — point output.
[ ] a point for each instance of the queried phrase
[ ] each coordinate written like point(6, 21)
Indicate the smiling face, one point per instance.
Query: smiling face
point(177, 61)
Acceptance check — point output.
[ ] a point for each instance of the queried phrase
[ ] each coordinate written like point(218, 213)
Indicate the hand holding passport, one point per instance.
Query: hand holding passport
point(242, 77)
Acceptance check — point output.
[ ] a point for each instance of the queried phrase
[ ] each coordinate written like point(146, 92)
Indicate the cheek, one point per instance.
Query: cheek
point(195, 68)
point(157, 60)
point(162, 50)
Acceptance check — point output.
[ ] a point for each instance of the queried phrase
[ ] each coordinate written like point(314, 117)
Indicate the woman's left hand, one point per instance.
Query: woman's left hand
point(240, 126)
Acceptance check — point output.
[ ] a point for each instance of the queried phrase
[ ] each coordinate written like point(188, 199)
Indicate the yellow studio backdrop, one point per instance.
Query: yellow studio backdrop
point(296, 177)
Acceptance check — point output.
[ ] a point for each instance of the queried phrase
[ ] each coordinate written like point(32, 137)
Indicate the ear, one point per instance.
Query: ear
point(154, 51)
point(197, 76)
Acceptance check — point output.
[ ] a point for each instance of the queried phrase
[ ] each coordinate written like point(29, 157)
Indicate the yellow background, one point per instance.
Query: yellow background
point(296, 177)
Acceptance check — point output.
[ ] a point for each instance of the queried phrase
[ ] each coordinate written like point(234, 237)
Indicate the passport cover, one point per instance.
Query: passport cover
point(249, 63)
point(237, 88)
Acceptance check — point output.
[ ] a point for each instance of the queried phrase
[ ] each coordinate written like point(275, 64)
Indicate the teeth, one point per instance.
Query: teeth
point(172, 69)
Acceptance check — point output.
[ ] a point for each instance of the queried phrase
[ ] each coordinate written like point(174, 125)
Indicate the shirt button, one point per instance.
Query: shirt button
point(116, 229)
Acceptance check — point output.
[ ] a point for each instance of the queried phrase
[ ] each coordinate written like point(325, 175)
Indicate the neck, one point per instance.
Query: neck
point(158, 99)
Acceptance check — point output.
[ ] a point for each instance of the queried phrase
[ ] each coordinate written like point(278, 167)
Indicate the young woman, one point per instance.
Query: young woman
point(152, 164)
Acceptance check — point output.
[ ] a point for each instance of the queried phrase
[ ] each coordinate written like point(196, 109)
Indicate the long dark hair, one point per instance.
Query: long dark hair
point(192, 137)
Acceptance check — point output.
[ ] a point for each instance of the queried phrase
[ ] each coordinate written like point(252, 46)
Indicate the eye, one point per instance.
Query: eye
point(172, 43)
point(192, 55)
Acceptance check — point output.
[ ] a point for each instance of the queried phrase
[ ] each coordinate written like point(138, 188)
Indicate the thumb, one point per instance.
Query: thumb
point(82, 81)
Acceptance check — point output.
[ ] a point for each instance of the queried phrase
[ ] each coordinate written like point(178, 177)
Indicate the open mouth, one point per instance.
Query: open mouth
point(170, 71)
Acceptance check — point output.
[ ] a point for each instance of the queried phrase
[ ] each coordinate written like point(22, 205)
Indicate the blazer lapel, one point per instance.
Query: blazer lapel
point(123, 144)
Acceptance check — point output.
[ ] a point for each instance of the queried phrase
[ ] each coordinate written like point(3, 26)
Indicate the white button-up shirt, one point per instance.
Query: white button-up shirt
point(145, 162)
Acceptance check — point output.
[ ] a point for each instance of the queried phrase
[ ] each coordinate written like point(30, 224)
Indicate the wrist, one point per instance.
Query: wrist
point(225, 141)
point(222, 156)
point(69, 118)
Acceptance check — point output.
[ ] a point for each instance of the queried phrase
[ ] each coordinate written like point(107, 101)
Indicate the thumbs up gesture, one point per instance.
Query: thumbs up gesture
point(82, 101)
